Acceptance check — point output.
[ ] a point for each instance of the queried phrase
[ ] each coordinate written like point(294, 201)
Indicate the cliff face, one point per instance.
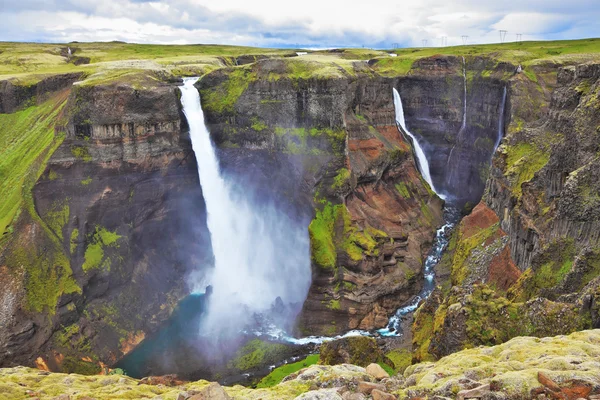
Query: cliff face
point(112, 209)
point(13, 96)
point(456, 106)
point(375, 217)
point(533, 240)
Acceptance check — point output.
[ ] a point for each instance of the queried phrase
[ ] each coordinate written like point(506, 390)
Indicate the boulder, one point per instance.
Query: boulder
point(368, 387)
point(214, 391)
point(380, 395)
point(323, 394)
point(376, 371)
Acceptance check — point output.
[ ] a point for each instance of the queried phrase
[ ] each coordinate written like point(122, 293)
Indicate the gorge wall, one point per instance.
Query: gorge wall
point(99, 261)
point(117, 207)
point(525, 262)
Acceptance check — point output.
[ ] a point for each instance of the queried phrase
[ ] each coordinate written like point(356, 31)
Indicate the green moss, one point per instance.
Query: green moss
point(401, 358)
point(403, 190)
point(358, 350)
point(74, 238)
point(81, 152)
point(462, 248)
point(258, 125)
point(77, 366)
point(334, 305)
point(58, 217)
point(94, 252)
point(422, 331)
point(277, 375)
point(86, 181)
point(47, 276)
point(523, 161)
point(551, 269)
point(256, 353)
point(341, 178)
point(321, 233)
point(531, 75)
point(222, 99)
point(27, 138)
point(313, 141)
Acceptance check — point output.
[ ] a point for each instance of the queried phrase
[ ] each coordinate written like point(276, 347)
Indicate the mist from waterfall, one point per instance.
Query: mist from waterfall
point(260, 253)
point(422, 162)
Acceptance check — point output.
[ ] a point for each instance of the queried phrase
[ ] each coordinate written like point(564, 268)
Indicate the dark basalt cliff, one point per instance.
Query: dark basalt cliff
point(112, 214)
point(532, 244)
point(433, 96)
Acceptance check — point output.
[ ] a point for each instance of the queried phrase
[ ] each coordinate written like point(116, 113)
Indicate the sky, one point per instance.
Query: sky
point(304, 23)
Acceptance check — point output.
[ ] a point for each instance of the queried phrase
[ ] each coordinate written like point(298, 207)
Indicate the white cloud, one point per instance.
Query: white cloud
point(307, 23)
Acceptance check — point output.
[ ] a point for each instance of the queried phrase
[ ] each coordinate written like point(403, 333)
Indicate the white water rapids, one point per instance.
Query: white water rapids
point(259, 253)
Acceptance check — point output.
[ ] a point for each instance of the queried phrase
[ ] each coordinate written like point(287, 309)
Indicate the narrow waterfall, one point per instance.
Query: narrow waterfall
point(422, 162)
point(463, 126)
point(464, 119)
point(261, 256)
point(500, 121)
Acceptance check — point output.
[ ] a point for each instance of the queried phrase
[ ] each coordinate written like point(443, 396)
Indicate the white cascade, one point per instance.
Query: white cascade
point(422, 162)
point(464, 119)
point(501, 120)
point(259, 252)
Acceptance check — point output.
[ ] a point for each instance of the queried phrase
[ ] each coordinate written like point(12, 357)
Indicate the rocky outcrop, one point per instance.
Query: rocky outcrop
point(523, 368)
point(14, 96)
point(112, 208)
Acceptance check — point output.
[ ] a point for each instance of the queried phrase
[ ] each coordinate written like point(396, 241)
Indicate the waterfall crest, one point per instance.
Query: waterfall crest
point(422, 162)
point(261, 256)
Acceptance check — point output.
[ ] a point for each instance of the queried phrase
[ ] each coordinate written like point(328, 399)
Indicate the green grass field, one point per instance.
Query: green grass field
point(25, 137)
point(27, 63)
point(277, 375)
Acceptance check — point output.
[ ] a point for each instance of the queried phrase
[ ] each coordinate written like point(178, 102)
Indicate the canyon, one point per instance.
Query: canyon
point(112, 220)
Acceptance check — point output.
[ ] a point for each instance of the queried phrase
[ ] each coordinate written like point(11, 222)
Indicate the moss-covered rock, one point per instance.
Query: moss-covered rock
point(358, 350)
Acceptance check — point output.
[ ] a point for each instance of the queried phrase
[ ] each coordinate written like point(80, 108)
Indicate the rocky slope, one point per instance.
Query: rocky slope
point(562, 367)
point(533, 240)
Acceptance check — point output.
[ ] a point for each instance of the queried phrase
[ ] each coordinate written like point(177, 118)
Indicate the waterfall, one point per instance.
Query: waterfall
point(500, 121)
point(464, 119)
point(422, 162)
point(463, 126)
point(260, 254)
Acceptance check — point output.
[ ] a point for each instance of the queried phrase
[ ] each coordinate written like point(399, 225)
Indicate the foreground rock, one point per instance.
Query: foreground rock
point(562, 367)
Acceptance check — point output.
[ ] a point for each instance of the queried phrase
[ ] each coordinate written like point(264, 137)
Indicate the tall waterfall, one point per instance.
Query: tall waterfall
point(464, 119)
point(260, 254)
point(422, 162)
point(500, 121)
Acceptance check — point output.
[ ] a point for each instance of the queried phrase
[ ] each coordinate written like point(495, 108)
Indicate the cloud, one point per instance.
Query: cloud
point(309, 23)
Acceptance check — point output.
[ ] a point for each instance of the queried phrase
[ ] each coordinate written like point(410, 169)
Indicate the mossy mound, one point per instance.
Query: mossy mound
point(358, 350)
point(511, 368)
